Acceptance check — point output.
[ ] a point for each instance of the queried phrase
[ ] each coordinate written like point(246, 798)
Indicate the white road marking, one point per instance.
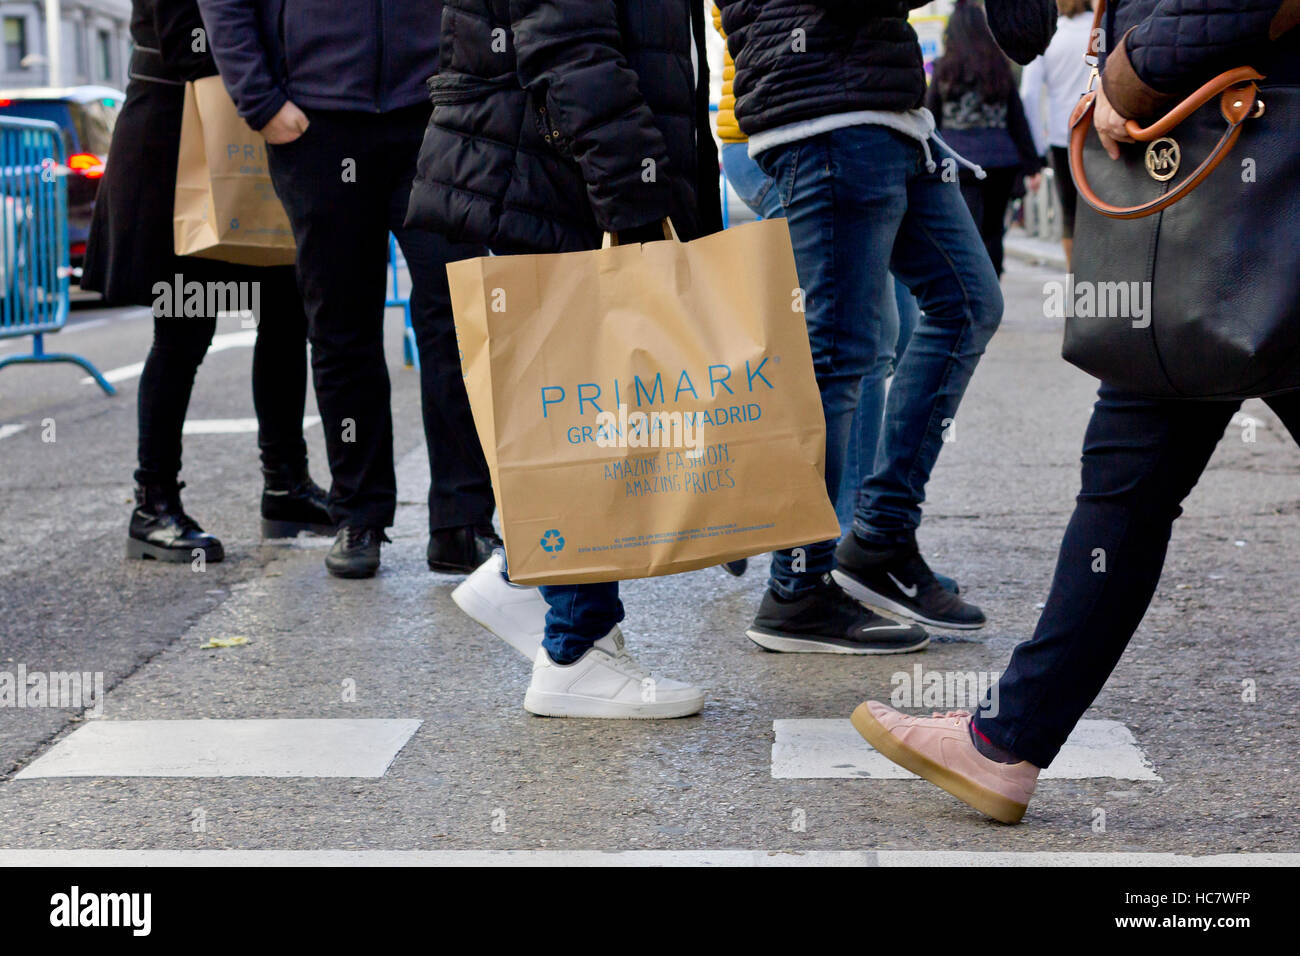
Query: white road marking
point(232, 426)
point(855, 858)
point(228, 340)
point(828, 749)
point(225, 748)
point(8, 430)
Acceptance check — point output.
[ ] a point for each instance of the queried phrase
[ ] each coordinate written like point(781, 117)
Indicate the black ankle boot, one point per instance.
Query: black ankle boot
point(161, 530)
point(292, 504)
point(460, 550)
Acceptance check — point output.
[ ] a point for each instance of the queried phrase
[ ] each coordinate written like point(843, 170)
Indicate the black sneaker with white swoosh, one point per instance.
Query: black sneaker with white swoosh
point(825, 620)
point(899, 581)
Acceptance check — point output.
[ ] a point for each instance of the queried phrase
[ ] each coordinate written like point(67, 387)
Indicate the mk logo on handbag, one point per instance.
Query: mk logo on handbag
point(1163, 158)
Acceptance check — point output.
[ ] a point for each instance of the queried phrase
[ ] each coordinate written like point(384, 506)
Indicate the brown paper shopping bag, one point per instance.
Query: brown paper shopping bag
point(645, 409)
point(225, 206)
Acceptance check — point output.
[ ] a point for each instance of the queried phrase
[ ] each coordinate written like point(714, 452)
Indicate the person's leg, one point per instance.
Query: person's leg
point(864, 433)
point(291, 502)
point(754, 187)
point(159, 528)
point(166, 382)
point(998, 188)
point(1141, 458)
point(579, 615)
point(940, 256)
point(941, 259)
point(844, 195)
point(460, 488)
point(909, 314)
point(1069, 196)
point(340, 223)
point(279, 368)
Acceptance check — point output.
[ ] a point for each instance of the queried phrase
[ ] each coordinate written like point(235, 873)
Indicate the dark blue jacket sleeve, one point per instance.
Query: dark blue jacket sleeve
point(243, 59)
point(1183, 43)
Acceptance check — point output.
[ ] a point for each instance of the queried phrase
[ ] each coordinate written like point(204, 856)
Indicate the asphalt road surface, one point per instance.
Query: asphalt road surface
point(1202, 709)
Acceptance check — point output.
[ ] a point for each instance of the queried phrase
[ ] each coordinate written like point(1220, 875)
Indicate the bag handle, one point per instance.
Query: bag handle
point(670, 232)
point(1238, 92)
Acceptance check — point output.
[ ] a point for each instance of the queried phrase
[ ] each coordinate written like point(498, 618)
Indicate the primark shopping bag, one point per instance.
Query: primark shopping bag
point(225, 205)
point(645, 409)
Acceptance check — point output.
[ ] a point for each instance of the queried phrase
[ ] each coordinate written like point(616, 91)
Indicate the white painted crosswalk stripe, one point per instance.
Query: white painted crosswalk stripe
point(233, 426)
point(229, 340)
point(813, 749)
point(225, 748)
point(13, 429)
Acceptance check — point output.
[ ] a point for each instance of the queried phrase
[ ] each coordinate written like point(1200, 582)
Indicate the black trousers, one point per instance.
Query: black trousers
point(279, 371)
point(346, 183)
point(988, 199)
point(1141, 458)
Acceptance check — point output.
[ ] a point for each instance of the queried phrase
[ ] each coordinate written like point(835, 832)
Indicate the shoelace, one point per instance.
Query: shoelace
point(358, 537)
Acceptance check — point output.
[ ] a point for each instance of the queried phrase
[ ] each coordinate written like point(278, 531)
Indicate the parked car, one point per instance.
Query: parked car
point(86, 115)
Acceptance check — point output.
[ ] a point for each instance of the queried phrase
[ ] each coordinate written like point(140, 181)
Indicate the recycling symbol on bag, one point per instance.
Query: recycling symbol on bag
point(552, 541)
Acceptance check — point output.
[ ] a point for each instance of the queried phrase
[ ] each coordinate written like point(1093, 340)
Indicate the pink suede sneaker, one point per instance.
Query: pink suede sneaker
point(939, 749)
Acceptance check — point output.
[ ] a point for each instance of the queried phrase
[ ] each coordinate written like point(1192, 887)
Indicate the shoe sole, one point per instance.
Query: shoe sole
point(443, 568)
point(1000, 808)
point(152, 552)
point(568, 705)
point(479, 609)
point(352, 574)
point(860, 592)
point(805, 645)
point(274, 528)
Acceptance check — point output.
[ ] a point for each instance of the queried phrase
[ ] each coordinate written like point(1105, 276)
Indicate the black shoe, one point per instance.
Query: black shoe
point(461, 550)
point(293, 504)
point(735, 568)
point(828, 621)
point(160, 529)
point(355, 553)
point(899, 581)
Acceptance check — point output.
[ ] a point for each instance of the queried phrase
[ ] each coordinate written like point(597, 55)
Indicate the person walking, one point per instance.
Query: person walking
point(548, 114)
point(977, 110)
point(1142, 456)
point(834, 117)
point(130, 250)
point(338, 92)
point(1061, 75)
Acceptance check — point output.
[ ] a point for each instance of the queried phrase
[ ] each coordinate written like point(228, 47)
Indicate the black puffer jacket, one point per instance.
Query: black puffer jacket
point(555, 120)
point(801, 59)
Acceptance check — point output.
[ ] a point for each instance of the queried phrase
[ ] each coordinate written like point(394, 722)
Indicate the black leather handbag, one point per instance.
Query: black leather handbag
point(1186, 277)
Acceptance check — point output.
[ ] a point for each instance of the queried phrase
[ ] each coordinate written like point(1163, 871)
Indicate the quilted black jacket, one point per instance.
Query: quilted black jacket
point(801, 59)
point(555, 120)
point(1176, 45)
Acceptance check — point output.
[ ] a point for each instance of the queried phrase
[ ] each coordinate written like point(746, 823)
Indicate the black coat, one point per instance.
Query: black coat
point(803, 59)
point(130, 244)
point(555, 121)
point(362, 55)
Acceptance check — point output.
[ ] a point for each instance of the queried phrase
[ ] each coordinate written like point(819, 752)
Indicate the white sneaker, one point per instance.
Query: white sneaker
point(513, 612)
point(606, 682)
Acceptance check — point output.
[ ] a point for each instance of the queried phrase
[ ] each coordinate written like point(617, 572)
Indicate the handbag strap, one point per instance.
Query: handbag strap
point(1237, 90)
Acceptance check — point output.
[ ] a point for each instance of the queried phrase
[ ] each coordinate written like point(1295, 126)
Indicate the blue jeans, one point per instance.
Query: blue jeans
point(859, 202)
point(757, 190)
point(579, 616)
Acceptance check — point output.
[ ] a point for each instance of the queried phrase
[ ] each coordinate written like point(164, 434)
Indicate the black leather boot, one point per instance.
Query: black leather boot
point(355, 553)
point(461, 550)
point(293, 504)
point(161, 530)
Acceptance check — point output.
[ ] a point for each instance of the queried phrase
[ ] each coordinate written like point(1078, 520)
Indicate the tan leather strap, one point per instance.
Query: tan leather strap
point(1238, 101)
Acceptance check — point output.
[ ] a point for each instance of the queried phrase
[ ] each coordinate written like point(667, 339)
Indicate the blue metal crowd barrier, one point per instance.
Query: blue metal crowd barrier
point(34, 270)
point(410, 354)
